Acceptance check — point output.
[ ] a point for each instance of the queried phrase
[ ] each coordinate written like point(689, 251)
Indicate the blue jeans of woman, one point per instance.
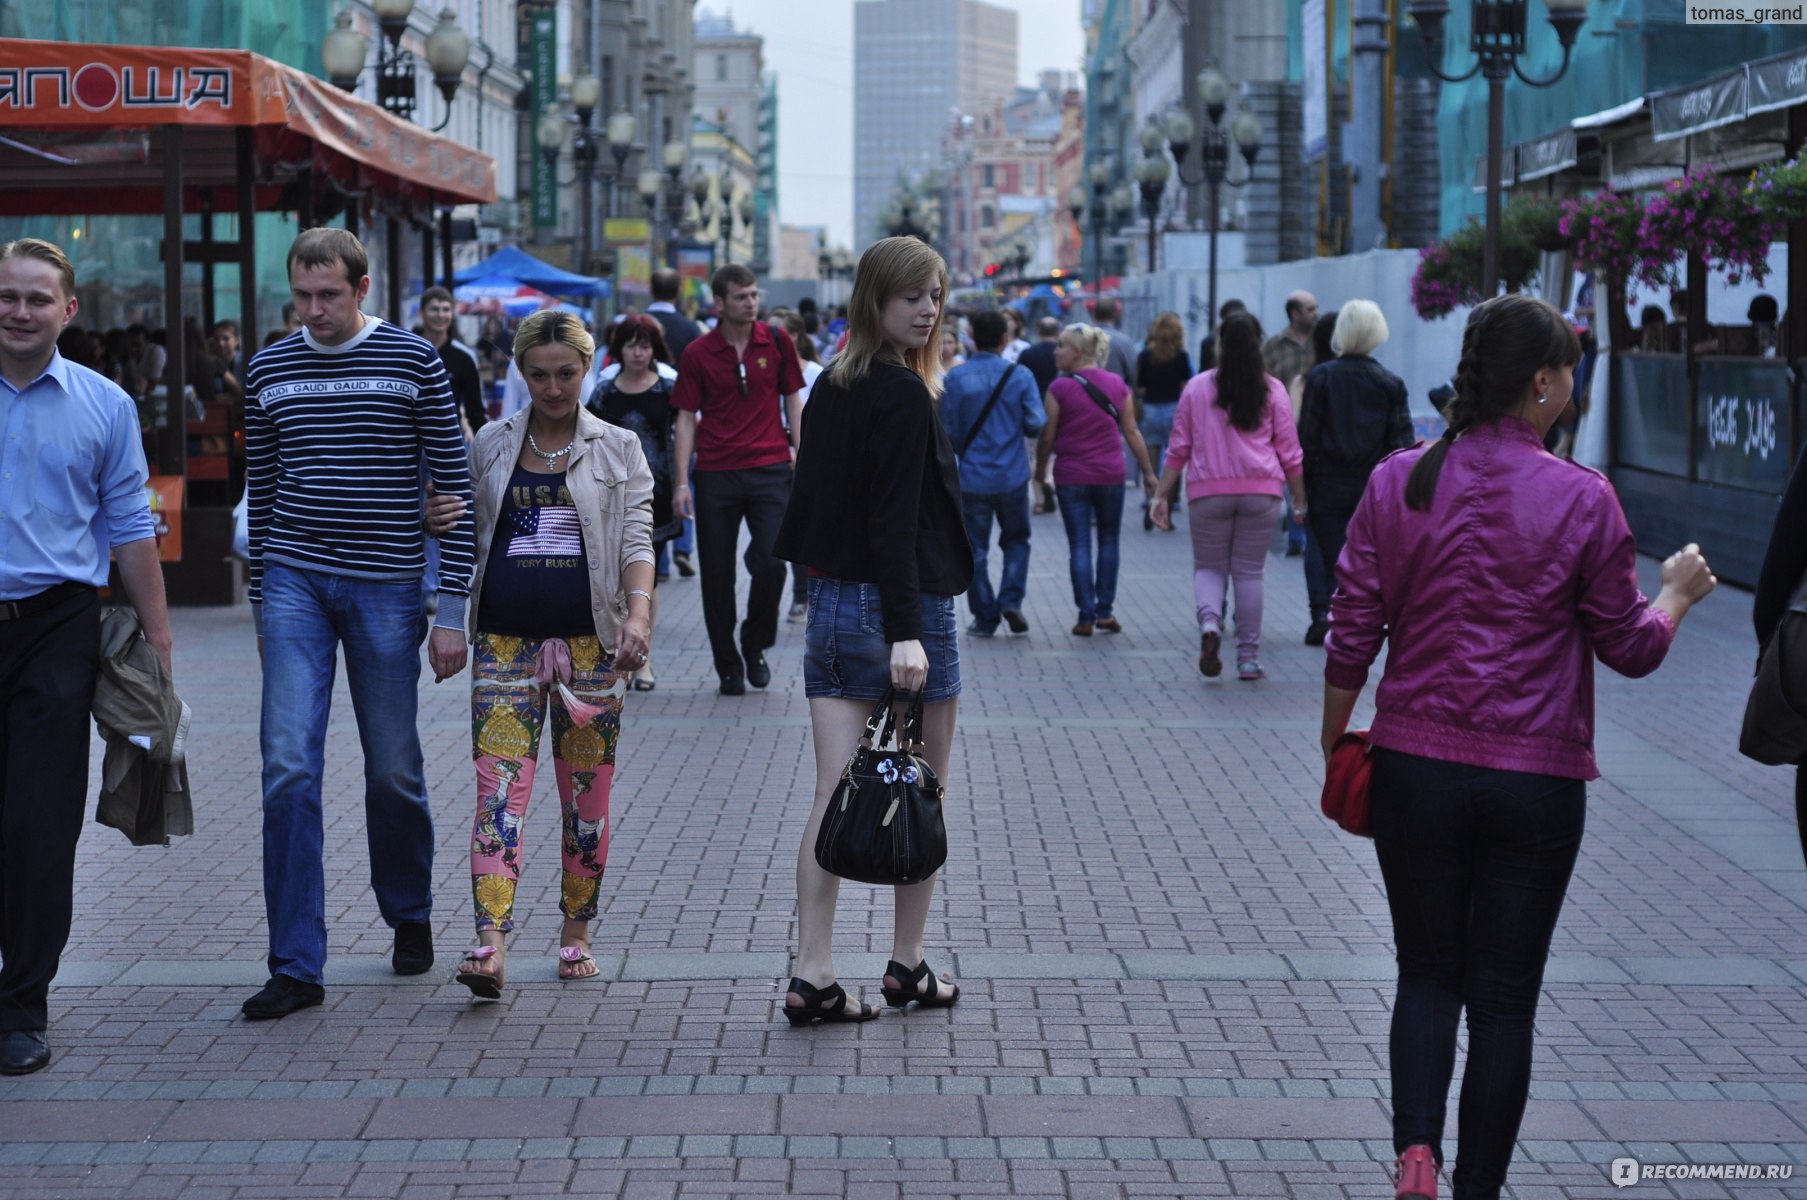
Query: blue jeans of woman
point(1476, 863)
point(1084, 506)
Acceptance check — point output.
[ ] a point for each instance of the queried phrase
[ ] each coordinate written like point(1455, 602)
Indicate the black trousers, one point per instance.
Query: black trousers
point(48, 665)
point(1330, 502)
point(758, 496)
point(1476, 863)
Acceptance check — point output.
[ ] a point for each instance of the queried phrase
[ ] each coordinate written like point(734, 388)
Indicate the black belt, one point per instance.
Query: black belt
point(44, 601)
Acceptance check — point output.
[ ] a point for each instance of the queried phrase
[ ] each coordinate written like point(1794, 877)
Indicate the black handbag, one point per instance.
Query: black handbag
point(1775, 716)
point(883, 823)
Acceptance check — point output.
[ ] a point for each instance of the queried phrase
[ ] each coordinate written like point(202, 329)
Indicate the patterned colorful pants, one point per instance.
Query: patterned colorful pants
point(507, 714)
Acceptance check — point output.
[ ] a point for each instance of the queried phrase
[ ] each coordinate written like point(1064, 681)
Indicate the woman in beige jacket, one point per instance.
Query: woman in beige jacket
point(559, 621)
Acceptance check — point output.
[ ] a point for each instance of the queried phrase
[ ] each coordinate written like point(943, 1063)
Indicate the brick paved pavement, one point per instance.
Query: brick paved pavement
point(1199, 1008)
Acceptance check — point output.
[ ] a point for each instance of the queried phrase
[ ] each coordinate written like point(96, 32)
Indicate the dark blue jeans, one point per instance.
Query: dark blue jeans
point(1476, 863)
point(1082, 506)
point(1012, 511)
point(307, 615)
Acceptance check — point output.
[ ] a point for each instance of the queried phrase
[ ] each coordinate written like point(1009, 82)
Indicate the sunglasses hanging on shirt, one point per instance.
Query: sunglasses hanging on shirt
point(742, 368)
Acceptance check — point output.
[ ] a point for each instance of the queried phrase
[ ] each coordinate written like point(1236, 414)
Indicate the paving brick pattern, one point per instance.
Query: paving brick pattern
point(1178, 975)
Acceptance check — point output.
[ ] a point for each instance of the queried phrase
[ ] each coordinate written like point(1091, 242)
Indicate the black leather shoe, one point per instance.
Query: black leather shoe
point(1016, 621)
point(1314, 636)
point(413, 948)
point(759, 672)
point(281, 996)
point(23, 1051)
point(682, 561)
point(733, 685)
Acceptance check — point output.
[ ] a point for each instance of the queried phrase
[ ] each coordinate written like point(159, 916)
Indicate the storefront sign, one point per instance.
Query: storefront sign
point(622, 231)
point(634, 266)
point(1508, 169)
point(1316, 92)
point(1546, 155)
point(543, 51)
point(1700, 106)
point(1744, 415)
point(1779, 82)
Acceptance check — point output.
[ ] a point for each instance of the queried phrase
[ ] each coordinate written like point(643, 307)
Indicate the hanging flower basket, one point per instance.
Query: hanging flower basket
point(1714, 217)
point(1450, 272)
point(1780, 190)
point(1538, 222)
point(1605, 230)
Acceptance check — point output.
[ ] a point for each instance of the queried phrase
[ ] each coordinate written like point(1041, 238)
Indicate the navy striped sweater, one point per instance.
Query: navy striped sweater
point(334, 441)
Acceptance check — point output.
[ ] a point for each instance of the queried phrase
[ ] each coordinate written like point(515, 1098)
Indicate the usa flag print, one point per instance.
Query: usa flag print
point(550, 532)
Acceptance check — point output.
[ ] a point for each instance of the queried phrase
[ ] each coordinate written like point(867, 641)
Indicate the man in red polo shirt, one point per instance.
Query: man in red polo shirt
point(743, 379)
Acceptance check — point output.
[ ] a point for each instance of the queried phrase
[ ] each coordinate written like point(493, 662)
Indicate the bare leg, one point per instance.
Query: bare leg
point(836, 725)
point(913, 900)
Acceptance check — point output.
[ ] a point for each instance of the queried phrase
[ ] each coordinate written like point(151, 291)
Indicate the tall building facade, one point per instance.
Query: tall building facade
point(914, 63)
point(736, 107)
point(1001, 178)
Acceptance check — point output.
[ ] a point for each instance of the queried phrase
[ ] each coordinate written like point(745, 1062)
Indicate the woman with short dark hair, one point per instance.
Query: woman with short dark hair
point(1494, 574)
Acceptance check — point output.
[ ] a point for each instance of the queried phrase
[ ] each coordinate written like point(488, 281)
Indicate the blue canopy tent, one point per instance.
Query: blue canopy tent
point(515, 263)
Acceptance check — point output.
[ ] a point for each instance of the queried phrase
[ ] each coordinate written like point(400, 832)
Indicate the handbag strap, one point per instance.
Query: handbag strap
point(910, 737)
point(1093, 391)
point(991, 403)
point(878, 725)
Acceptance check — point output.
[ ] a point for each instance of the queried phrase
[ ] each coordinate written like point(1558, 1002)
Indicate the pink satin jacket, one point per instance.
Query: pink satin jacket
point(1493, 605)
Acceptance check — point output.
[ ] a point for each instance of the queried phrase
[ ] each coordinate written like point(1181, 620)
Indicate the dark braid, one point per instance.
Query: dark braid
point(1506, 342)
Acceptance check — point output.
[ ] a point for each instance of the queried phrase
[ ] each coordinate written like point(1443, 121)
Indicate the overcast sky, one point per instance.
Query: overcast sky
point(810, 47)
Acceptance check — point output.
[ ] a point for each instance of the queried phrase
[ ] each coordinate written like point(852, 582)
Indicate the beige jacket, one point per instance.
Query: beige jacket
point(612, 487)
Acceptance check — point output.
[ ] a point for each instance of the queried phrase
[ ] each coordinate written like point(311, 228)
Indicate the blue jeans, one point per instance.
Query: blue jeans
point(307, 615)
point(1081, 506)
point(1012, 511)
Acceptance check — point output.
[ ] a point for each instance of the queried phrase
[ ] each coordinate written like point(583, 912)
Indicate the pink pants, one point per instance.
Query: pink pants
point(1230, 535)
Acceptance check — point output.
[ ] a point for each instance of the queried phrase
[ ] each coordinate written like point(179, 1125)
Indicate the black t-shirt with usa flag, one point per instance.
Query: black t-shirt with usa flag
point(537, 584)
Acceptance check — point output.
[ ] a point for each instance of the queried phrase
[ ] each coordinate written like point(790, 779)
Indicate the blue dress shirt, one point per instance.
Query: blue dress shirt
point(997, 460)
point(72, 479)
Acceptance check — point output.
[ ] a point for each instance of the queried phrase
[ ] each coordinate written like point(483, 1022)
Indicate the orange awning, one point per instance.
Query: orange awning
point(67, 112)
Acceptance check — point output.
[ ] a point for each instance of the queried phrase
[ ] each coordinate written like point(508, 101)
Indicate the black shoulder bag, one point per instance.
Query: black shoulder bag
point(1775, 716)
point(883, 823)
point(1103, 401)
point(998, 390)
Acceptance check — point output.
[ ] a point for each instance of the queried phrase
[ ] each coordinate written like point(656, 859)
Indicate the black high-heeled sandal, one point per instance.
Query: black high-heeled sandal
point(827, 1004)
point(933, 998)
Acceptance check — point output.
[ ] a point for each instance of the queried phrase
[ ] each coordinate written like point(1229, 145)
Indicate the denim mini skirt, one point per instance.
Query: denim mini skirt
point(845, 652)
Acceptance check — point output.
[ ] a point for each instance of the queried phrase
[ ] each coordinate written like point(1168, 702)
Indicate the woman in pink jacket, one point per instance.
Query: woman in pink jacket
point(1233, 435)
point(1494, 573)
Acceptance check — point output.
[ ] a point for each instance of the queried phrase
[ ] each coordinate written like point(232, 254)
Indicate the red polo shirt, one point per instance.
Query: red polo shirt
point(738, 432)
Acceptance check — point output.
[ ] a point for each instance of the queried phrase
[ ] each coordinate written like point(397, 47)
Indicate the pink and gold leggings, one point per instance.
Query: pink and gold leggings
point(507, 714)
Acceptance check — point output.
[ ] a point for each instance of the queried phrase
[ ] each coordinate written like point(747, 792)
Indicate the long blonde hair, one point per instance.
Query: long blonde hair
point(887, 269)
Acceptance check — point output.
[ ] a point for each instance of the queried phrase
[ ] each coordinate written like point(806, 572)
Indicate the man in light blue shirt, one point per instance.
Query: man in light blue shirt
point(72, 487)
point(994, 468)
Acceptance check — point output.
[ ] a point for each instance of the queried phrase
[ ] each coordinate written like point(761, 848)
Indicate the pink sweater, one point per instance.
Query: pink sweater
point(1222, 460)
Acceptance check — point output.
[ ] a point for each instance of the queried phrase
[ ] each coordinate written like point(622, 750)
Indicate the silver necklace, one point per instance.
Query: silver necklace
point(555, 455)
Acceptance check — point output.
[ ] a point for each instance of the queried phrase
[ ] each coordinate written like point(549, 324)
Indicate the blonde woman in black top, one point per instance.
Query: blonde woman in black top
point(875, 516)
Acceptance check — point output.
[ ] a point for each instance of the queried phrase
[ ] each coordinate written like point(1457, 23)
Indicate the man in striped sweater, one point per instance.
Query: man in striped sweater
point(338, 417)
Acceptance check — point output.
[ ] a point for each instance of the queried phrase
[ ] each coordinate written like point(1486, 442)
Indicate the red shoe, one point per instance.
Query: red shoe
point(1415, 1174)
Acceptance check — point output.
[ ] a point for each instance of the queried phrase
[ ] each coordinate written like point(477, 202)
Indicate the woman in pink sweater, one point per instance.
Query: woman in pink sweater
point(1233, 435)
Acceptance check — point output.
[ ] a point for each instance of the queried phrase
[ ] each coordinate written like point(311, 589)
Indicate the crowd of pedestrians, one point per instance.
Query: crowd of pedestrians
point(876, 461)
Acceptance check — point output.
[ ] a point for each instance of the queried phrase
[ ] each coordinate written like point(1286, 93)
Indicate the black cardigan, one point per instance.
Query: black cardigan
point(877, 495)
point(1786, 560)
point(1353, 414)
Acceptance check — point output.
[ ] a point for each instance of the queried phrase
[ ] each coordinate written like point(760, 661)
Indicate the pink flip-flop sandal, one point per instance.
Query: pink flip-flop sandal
point(483, 985)
point(570, 958)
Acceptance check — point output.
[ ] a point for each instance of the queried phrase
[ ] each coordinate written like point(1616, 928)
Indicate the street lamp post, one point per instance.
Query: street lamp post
point(648, 186)
point(1151, 176)
point(586, 94)
point(1101, 183)
point(673, 157)
point(1497, 38)
point(344, 50)
point(1214, 90)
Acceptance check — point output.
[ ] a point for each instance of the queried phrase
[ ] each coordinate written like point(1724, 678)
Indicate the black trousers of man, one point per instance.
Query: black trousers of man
point(759, 496)
point(49, 662)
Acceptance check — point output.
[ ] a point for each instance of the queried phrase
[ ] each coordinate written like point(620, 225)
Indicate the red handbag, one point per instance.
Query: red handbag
point(1347, 780)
